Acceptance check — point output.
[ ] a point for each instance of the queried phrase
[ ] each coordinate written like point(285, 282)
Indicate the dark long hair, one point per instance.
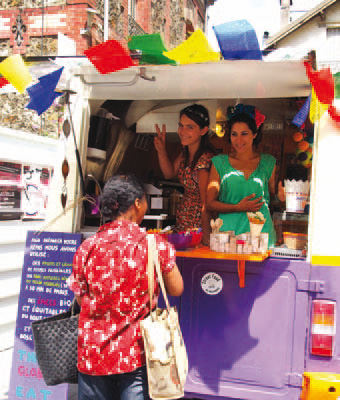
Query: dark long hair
point(200, 115)
point(247, 119)
point(119, 194)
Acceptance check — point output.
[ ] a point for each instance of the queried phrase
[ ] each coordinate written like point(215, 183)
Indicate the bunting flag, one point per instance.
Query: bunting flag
point(152, 48)
point(195, 49)
point(109, 56)
point(3, 82)
point(317, 108)
point(42, 94)
point(322, 82)
point(301, 116)
point(337, 85)
point(325, 89)
point(14, 70)
point(238, 40)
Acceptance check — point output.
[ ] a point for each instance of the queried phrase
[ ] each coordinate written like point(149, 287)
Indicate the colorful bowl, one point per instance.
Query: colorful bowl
point(196, 238)
point(180, 241)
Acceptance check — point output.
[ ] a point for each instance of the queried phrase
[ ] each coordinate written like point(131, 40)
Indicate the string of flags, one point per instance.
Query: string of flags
point(321, 98)
point(112, 56)
point(236, 39)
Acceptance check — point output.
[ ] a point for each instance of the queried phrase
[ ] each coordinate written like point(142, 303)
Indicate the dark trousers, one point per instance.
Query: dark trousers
point(129, 386)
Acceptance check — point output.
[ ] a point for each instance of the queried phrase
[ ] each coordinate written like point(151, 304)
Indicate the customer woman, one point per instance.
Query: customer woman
point(110, 283)
point(191, 167)
point(243, 180)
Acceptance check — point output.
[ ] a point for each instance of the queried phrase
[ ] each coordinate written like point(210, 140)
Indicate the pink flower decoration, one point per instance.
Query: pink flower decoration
point(259, 118)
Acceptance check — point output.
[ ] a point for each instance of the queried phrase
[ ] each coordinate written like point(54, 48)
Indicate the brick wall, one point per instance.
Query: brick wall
point(70, 18)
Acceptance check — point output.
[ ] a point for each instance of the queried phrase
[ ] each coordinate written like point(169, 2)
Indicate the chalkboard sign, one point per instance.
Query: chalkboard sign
point(44, 292)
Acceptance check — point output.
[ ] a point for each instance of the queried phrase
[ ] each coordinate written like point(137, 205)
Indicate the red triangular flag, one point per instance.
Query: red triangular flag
point(3, 82)
point(323, 83)
point(109, 56)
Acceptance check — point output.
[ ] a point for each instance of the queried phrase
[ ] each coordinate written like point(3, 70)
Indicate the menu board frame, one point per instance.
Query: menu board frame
point(47, 264)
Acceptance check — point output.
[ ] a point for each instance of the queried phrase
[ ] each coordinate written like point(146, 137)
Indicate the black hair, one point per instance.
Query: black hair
point(200, 115)
point(119, 194)
point(247, 119)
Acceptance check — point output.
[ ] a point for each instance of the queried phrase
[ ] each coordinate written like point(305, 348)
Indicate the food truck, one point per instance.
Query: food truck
point(256, 326)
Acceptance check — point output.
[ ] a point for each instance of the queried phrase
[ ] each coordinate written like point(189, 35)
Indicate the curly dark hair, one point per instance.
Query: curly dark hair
point(247, 119)
point(119, 194)
point(200, 115)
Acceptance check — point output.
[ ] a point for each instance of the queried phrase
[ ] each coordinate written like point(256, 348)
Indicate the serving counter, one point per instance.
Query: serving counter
point(241, 339)
point(205, 252)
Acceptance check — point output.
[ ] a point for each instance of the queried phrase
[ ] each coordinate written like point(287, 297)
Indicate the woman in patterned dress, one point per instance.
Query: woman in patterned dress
point(110, 283)
point(191, 167)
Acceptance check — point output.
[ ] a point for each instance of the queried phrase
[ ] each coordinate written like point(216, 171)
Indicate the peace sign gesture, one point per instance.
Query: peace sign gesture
point(159, 139)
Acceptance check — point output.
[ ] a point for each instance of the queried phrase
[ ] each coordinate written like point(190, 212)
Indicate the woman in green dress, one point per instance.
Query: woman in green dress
point(243, 180)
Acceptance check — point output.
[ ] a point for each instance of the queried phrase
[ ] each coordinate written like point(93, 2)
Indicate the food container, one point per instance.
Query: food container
point(296, 195)
point(214, 242)
point(180, 241)
point(196, 237)
point(295, 241)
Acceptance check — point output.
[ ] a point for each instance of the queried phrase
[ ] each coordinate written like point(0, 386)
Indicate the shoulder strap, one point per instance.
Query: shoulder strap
point(153, 262)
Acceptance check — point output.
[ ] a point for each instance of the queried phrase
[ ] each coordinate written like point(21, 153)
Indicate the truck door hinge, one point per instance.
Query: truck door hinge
point(311, 286)
point(293, 379)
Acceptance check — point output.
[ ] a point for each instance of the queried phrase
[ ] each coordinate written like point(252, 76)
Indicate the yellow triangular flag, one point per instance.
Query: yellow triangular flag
point(316, 108)
point(193, 50)
point(14, 70)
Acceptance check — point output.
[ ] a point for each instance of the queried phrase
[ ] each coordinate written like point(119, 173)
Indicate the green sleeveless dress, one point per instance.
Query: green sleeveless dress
point(234, 187)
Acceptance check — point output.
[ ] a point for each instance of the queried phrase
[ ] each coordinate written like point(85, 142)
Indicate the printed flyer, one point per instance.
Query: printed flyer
point(44, 292)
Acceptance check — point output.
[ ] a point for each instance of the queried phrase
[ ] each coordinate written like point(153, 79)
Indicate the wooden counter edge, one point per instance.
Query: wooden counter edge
point(205, 252)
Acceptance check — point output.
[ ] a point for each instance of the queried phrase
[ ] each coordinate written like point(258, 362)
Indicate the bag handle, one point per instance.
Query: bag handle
point(153, 262)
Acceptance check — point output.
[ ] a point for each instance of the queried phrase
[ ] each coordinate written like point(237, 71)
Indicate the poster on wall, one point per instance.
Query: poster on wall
point(44, 292)
point(35, 192)
point(24, 191)
point(10, 190)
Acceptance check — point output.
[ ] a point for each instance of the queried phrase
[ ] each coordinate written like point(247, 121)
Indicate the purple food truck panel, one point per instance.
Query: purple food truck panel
point(244, 343)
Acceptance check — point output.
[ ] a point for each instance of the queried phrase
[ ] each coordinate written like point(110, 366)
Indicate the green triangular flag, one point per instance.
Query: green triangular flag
point(337, 85)
point(152, 47)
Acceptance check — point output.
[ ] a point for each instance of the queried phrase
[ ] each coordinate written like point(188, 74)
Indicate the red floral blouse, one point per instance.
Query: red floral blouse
point(188, 214)
point(110, 274)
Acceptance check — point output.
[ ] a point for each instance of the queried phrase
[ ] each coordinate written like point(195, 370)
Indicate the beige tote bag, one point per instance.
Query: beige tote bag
point(166, 356)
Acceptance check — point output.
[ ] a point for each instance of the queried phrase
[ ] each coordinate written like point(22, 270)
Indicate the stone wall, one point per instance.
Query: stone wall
point(6, 4)
point(177, 32)
point(13, 114)
point(157, 17)
point(37, 46)
point(116, 17)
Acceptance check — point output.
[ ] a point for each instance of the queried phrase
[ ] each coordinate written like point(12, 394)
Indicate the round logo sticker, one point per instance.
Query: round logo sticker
point(211, 283)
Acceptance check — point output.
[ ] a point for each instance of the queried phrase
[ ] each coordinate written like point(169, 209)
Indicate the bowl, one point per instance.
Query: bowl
point(196, 238)
point(180, 241)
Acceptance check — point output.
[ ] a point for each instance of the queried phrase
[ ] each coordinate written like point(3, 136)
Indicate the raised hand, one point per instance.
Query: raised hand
point(159, 139)
point(250, 203)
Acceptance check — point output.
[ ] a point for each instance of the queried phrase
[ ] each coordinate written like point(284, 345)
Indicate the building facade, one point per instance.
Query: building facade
point(33, 28)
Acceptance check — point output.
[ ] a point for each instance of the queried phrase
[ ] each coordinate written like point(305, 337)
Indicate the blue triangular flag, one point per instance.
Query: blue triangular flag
point(238, 40)
point(301, 116)
point(42, 94)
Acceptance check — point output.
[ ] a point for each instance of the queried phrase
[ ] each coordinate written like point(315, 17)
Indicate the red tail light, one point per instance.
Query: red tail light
point(323, 327)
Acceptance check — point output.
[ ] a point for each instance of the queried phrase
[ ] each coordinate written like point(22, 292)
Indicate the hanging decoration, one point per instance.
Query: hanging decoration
point(195, 49)
point(3, 82)
point(65, 169)
point(109, 56)
point(301, 116)
point(322, 82)
point(238, 40)
point(317, 109)
point(324, 93)
point(14, 70)
point(43, 93)
point(152, 48)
